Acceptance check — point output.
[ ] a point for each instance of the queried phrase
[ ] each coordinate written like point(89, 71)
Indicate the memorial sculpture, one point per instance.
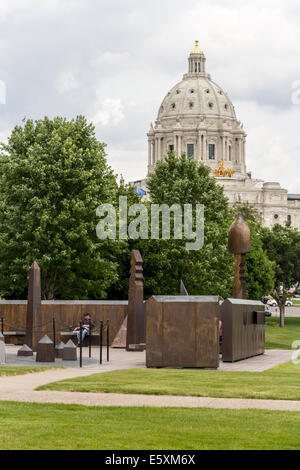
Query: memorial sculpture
point(183, 290)
point(25, 351)
point(182, 331)
point(2, 350)
point(34, 308)
point(45, 350)
point(239, 243)
point(59, 350)
point(136, 309)
point(69, 351)
point(243, 321)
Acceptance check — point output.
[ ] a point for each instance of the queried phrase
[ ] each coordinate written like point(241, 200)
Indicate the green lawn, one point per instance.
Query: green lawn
point(18, 370)
point(72, 427)
point(281, 382)
point(282, 338)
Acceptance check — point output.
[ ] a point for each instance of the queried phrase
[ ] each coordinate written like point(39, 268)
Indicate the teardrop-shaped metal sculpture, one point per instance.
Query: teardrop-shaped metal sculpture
point(239, 243)
point(239, 239)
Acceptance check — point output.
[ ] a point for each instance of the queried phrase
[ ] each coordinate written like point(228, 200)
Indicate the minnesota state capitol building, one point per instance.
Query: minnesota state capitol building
point(197, 117)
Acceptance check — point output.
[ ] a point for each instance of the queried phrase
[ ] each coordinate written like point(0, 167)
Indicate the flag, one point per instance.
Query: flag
point(140, 192)
point(24, 119)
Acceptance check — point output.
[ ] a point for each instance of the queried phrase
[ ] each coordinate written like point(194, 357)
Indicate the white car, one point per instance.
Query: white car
point(273, 303)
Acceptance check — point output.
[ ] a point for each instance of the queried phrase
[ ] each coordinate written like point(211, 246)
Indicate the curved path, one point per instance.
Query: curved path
point(21, 388)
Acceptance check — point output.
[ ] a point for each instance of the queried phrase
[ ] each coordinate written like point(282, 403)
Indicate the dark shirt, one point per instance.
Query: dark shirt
point(88, 321)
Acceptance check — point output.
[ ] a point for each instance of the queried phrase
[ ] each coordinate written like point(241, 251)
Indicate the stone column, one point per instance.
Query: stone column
point(240, 150)
point(150, 163)
point(199, 156)
point(159, 149)
point(179, 145)
point(156, 150)
point(204, 150)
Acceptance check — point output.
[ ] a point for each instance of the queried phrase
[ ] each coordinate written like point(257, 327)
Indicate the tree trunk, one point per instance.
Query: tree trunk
point(282, 312)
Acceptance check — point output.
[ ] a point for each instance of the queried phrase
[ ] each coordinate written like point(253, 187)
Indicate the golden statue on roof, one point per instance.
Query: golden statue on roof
point(222, 172)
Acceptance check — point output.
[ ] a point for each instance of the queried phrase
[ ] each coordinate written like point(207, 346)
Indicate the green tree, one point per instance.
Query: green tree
point(53, 176)
point(208, 271)
point(260, 271)
point(282, 245)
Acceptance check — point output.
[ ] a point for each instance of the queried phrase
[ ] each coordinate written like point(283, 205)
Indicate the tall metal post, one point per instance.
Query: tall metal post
point(54, 332)
point(90, 339)
point(101, 340)
point(80, 336)
point(107, 340)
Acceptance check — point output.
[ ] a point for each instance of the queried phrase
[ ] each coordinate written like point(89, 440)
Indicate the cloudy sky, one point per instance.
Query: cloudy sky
point(115, 60)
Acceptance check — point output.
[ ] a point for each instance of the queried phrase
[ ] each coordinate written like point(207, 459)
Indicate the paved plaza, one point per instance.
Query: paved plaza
point(22, 387)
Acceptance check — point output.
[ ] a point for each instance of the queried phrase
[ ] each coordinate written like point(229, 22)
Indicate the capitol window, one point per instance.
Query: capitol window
point(276, 216)
point(173, 106)
point(171, 148)
point(210, 105)
point(192, 91)
point(211, 151)
point(191, 104)
point(190, 150)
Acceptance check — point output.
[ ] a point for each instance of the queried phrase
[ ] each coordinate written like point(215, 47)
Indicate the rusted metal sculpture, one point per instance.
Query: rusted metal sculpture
point(239, 243)
point(69, 352)
point(243, 325)
point(183, 331)
point(136, 310)
point(183, 290)
point(120, 340)
point(25, 351)
point(45, 350)
point(34, 308)
point(59, 350)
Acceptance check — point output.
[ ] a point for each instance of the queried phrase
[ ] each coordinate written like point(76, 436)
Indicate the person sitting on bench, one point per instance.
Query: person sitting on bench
point(87, 325)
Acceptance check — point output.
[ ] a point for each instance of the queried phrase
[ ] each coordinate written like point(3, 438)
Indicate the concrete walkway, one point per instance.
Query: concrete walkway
point(22, 388)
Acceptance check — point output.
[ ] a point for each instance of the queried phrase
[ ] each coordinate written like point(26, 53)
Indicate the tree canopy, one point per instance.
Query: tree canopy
point(53, 175)
point(207, 271)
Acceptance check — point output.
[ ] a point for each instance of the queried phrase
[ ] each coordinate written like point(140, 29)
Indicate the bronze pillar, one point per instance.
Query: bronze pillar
point(239, 243)
point(34, 308)
point(136, 310)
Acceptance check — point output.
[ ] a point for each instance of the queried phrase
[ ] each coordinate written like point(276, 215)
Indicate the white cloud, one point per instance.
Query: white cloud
point(66, 82)
point(110, 112)
point(104, 59)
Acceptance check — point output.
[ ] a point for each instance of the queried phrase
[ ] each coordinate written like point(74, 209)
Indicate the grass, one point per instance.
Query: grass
point(282, 338)
point(73, 427)
point(281, 382)
point(18, 370)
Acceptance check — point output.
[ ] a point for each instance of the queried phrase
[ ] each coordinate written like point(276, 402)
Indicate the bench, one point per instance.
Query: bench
point(66, 335)
point(15, 337)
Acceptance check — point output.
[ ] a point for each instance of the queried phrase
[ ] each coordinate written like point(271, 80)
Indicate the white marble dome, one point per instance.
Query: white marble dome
point(197, 118)
point(195, 97)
